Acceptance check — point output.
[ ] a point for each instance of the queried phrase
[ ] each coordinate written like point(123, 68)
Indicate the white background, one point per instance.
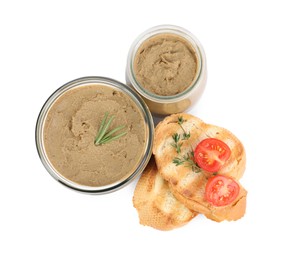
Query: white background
point(45, 44)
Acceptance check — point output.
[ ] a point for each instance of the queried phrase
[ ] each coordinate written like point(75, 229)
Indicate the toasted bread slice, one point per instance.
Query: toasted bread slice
point(233, 211)
point(156, 205)
point(187, 184)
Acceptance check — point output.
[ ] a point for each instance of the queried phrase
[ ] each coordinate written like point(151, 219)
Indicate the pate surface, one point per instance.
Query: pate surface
point(165, 64)
point(70, 129)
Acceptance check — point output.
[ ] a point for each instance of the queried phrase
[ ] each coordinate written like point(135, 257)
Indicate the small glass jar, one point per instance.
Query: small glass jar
point(180, 102)
point(117, 86)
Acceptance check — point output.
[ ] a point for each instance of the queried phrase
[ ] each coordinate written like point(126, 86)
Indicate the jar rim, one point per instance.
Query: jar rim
point(166, 29)
point(85, 81)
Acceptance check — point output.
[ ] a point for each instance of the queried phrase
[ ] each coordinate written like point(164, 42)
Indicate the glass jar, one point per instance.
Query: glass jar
point(180, 102)
point(117, 86)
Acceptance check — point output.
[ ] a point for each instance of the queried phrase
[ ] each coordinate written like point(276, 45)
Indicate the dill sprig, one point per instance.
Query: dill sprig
point(103, 136)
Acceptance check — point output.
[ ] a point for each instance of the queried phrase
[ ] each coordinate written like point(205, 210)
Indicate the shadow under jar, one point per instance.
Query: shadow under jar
point(68, 130)
point(167, 66)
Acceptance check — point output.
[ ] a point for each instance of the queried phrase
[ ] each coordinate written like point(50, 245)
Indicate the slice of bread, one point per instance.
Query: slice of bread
point(233, 211)
point(187, 184)
point(156, 205)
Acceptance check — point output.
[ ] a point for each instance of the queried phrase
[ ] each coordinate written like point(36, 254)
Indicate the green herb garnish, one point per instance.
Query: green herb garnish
point(185, 134)
point(103, 136)
point(177, 145)
point(187, 161)
point(176, 137)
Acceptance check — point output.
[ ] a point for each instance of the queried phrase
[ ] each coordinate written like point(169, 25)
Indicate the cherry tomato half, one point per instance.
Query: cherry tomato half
point(210, 154)
point(221, 190)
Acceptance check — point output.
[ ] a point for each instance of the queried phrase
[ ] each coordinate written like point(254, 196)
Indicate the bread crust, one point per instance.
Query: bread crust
point(156, 205)
point(187, 185)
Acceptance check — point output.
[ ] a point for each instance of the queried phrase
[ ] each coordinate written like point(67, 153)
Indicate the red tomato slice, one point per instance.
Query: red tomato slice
point(221, 190)
point(210, 154)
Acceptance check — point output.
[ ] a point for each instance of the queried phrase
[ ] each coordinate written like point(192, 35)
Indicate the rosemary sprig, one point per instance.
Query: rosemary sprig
point(187, 161)
point(103, 136)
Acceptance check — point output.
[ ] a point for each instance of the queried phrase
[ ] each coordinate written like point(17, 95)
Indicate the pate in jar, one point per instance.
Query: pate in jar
point(167, 66)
